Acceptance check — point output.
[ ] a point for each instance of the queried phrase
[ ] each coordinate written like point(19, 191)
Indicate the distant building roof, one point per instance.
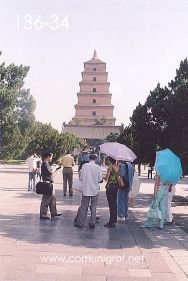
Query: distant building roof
point(95, 59)
point(92, 131)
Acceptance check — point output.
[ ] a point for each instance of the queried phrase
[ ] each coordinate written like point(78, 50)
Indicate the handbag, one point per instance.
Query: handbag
point(154, 212)
point(77, 185)
point(45, 188)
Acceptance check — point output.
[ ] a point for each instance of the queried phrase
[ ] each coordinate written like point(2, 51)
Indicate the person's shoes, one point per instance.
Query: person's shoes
point(77, 225)
point(64, 194)
point(58, 215)
point(122, 219)
point(97, 218)
point(44, 218)
point(109, 224)
point(145, 226)
point(91, 225)
point(160, 227)
point(169, 222)
point(71, 194)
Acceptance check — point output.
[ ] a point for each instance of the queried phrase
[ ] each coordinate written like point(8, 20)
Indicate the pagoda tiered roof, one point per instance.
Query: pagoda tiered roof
point(96, 132)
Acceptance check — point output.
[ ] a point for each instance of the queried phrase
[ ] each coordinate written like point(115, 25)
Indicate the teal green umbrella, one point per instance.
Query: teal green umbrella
point(168, 166)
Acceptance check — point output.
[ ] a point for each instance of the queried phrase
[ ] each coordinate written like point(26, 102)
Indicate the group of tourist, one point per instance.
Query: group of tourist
point(90, 177)
point(119, 179)
point(34, 163)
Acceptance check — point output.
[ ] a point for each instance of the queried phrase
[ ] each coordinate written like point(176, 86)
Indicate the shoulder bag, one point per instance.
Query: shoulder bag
point(45, 188)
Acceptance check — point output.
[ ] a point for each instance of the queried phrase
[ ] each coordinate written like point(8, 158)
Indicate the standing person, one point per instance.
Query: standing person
point(84, 162)
point(139, 169)
point(150, 171)
point(84, 158)
point(111, 191)
point(47, 174)
point(168, 211)
point(97, 160)
point(160, 193)
point(39, 163)
point(67, 162)
point(32, 166)
point(126, 171)
point(91, 176)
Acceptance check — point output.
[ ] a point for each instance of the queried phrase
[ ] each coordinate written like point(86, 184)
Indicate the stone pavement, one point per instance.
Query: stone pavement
point(34, 250)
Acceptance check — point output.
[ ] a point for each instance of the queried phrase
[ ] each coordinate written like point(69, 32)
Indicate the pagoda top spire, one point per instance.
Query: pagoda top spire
point(95, 55)
point(94, 59)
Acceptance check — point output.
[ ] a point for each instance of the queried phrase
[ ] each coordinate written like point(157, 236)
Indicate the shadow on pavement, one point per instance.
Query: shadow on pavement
point(27, 228)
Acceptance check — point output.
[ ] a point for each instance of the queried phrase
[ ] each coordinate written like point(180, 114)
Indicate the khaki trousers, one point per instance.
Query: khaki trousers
point(67, 177)
point(48, 201)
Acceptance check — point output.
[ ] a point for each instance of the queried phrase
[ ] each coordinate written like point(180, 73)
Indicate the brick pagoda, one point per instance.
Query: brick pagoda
point(94, 112)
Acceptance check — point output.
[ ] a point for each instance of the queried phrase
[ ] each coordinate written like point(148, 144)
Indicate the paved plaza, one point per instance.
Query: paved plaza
point(34, 250)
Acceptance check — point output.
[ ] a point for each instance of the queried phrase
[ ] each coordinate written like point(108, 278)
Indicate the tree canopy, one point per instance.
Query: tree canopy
point(17, 107)
point(45, 138)
point(20, 134)
point(162, 121)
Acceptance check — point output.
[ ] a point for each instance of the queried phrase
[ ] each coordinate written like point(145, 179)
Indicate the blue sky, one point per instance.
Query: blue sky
point(142, 42)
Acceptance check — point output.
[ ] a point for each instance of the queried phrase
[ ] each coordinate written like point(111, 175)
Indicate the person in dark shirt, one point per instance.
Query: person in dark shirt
point(47, 173)
point(84, 158)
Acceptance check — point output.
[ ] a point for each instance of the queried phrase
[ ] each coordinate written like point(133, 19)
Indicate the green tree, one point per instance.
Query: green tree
point(126, 136)
point(45, 138)
point(168, 111)
point(162, 120)
point(16, 110)
point(112, 137)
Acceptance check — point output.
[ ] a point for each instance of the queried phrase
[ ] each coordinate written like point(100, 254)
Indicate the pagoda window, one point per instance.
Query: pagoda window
point(94, 79)
point(94, 113)
point(94, 90)
point(94, 69)
point(94, 100)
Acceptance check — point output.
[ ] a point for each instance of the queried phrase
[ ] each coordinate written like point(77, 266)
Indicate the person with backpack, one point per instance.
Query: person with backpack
point(126, 174)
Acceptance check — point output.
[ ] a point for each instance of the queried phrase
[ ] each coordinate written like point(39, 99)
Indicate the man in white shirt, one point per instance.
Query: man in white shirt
point(91, 176)
point(32, 166)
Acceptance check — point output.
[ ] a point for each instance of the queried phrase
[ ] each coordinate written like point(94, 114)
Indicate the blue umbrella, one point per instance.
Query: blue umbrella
point(168, 166)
